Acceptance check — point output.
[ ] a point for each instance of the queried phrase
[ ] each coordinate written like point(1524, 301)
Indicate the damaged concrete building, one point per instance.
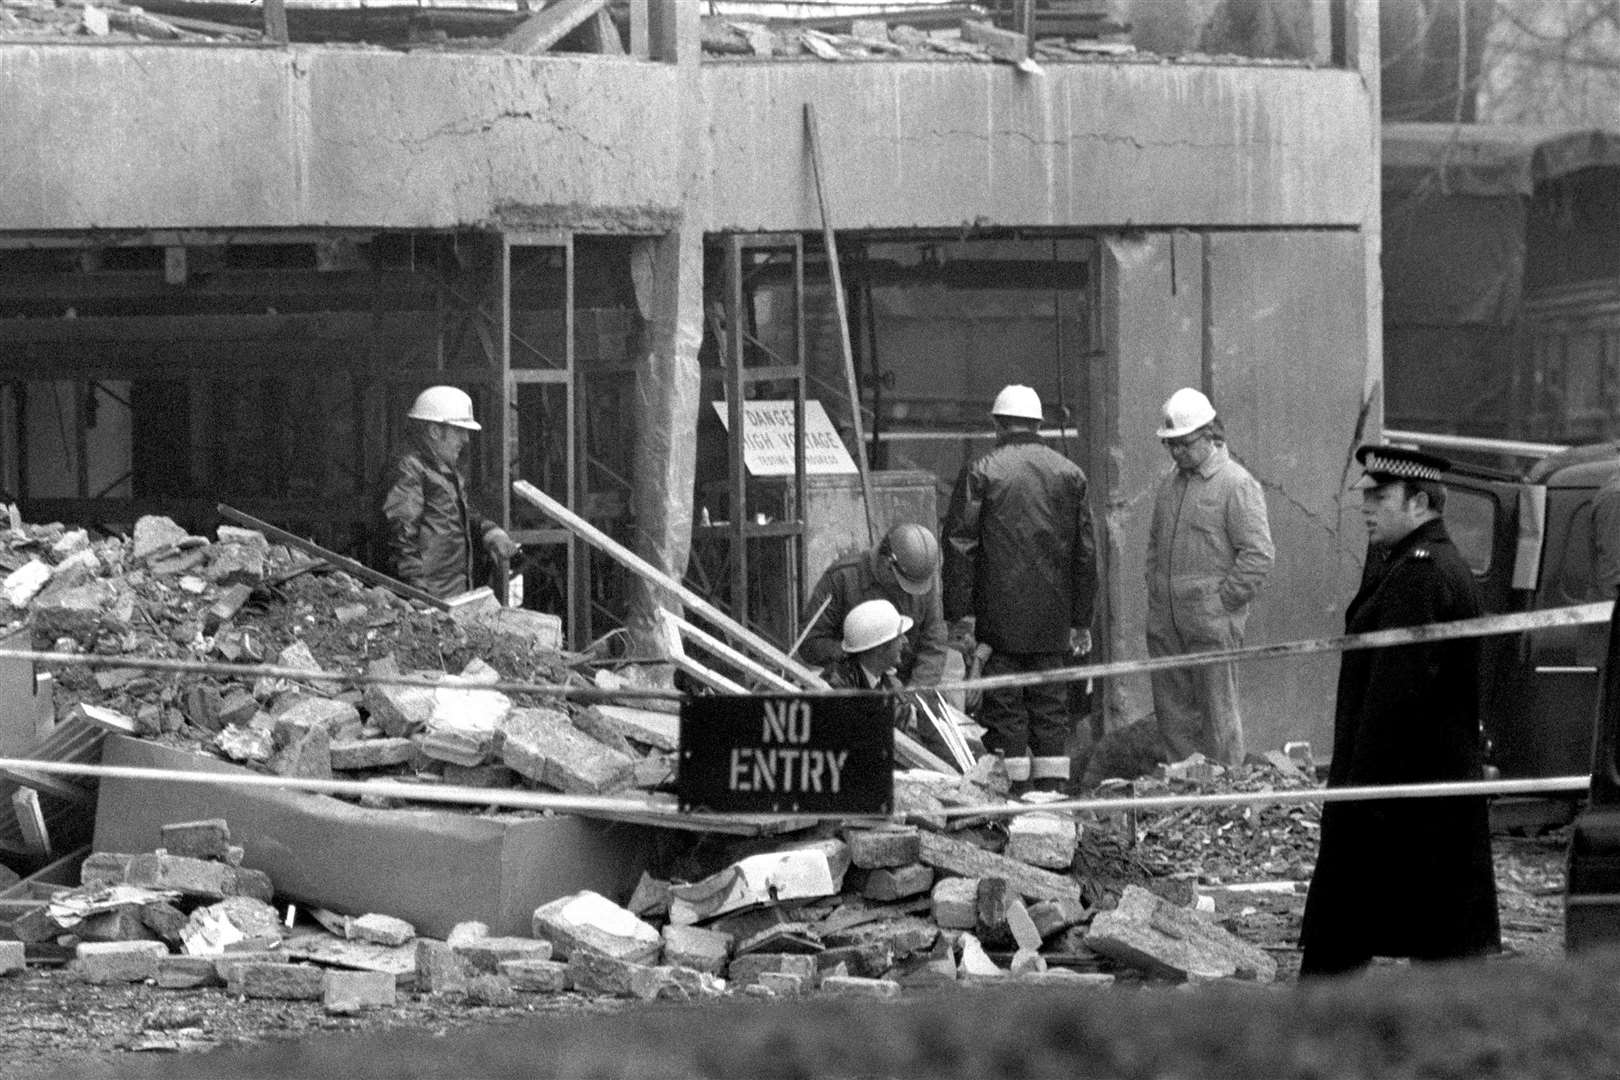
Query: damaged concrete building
point(227, 264)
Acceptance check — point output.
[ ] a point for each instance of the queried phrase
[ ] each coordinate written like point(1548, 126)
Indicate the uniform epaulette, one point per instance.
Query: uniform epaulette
point(1421, 553)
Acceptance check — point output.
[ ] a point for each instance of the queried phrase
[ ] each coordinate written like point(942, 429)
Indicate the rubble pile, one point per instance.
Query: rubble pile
point(867, 911)
point(164, 594)
point(929, 898)
point(1221, 845)
point(872, 39)
point(30, 20)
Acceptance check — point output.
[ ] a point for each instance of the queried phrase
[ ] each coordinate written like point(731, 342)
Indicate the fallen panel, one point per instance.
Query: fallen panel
point(432, 868)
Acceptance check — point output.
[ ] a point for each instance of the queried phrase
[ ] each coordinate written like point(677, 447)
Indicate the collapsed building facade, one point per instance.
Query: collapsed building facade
point(226, 268)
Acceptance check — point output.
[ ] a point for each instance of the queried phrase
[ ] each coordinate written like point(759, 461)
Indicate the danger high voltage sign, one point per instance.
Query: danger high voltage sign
point(774, 755)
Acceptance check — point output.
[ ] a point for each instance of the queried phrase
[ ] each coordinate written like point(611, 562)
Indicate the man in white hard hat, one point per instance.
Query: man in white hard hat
point(874, 634)
point(1020, 563)
point(902, 568)
point(1209, 550)
point(433, 530)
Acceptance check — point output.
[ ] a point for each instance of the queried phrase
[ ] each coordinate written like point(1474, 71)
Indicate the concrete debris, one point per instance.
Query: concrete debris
point(1046, 840)
point(793, 874)
point(1147, 932)
point(349, 992)
point(591, 923)
point(933, 899)
point(117, 961)
point(380, 929)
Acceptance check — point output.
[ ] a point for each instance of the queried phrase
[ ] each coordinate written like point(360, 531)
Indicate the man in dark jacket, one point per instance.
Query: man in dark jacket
point(1020, 560)
point(1405, 714)
point(433, 532)
point(903, 569)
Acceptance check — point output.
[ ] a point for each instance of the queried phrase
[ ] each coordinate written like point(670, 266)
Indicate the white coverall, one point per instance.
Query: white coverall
point(1209, 549)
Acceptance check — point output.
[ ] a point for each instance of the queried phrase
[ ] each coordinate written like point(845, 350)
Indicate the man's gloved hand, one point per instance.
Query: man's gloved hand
point(1080, 640)
point(499, 544)
point(961, 637)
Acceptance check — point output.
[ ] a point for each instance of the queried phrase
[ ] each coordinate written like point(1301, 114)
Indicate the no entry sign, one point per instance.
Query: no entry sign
point(759, 754)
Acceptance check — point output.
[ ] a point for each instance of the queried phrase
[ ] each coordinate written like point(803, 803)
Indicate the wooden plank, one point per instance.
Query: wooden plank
point(960, 857)
point(28, 779)
point(31, 820)
point(851, 385)
point(545, 28)
point(309, 547)
point(606, 34)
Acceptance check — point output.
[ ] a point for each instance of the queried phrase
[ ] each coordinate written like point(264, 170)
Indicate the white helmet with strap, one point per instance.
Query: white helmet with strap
point(445, 405)
point(873, 623)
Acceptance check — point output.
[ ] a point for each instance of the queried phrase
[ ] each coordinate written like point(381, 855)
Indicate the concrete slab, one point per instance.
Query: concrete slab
point(432, 868)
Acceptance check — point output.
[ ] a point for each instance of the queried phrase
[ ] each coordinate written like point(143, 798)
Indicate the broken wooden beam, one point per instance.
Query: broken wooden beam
point(347, 565)
point(550, 25)
point(31, 820)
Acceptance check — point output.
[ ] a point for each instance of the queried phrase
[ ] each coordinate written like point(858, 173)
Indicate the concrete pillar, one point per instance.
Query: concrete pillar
point(668, 275)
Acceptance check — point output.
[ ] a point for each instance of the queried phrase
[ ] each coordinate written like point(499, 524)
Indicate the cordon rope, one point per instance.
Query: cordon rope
point(1486, 626)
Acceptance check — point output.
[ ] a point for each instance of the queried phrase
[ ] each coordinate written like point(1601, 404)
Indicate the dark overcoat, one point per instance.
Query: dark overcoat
point(433, 532)
point(1406, 877)
point(1020, 555)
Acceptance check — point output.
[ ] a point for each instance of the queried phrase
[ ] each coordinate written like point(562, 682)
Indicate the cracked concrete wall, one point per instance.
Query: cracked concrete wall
point(943, 145)
point(1152, 294)
point(240, 138)
point(1287, 360)
point(1270, 325)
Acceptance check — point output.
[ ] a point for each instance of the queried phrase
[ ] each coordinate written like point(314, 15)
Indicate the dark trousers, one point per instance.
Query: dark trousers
point(1031, 720)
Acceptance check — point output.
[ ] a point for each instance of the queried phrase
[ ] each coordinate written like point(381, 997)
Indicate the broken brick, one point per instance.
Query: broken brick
point(855, 986)
point(282, 982)
point(589, 922)
point(544, 746)
point(873, 848)
point(352, 755)
point(538, 976)
point(352, 991)
point(1041, 839)
point(894, 883)
point(956, 902)
point(487, 954)
point(209, 839)
point(380, 930)
point(697, 948)
point(104, 962)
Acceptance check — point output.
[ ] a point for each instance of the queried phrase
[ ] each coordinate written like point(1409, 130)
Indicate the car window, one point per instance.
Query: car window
point(1471, 521)
point(1570, 556)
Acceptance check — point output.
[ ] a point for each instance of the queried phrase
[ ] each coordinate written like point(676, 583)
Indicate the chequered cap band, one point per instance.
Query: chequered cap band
point(1400, 467)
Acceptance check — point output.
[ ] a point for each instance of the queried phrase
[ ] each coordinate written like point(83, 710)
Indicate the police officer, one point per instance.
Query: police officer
point(1405, 714)
point(1020, 562)
point(433, 531)
point(903, 568)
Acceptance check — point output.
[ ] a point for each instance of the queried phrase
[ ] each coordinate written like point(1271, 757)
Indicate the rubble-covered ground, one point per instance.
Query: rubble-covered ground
point(165, 595)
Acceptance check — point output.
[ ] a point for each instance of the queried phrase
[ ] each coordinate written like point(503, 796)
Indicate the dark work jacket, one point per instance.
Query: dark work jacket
point(434, 534)
point(1020, 555)
point(1406, 877)
point(853, 580)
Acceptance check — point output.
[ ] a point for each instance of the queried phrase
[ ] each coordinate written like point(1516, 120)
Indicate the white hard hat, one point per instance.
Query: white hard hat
point(873, 623)
point(1017, 401)
point(1185, 412)
point(445, 405)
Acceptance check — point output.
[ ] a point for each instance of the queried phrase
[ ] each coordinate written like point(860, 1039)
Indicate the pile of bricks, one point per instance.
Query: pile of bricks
point(239, 600)
point(870, 911)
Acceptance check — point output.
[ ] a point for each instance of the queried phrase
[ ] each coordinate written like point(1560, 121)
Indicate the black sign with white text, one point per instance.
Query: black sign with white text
point(755, 754)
